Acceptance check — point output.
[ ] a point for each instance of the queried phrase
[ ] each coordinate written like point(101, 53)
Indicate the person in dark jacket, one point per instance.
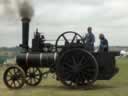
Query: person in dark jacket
point(103, 47)
point(89, 39)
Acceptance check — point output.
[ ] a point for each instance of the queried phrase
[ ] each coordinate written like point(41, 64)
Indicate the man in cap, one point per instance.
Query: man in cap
point(89, 40)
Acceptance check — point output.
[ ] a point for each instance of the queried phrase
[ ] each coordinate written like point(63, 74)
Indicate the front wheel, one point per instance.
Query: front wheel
point(33, 76)
point(14, 77)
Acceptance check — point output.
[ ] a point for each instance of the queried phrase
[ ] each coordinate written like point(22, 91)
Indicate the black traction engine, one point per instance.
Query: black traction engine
point(68, 59)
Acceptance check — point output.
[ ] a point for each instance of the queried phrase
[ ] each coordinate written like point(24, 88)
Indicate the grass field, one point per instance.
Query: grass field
point(118, 86)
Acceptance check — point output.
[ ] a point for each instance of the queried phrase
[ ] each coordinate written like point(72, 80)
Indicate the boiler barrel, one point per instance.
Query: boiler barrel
point(36, 59)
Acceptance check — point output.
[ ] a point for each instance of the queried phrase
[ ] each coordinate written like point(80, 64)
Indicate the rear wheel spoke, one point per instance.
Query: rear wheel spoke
point(68, 66)
point(81, 61)
point(74, 60)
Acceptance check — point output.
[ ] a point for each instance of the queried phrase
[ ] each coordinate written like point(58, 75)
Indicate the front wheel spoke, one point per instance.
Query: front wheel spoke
point(11, 83)
point(27, 75)
point(37, 77)
point(33, 69)
point(14, 71)
point(20, 78)
point(18, 81)
point(35, 80)
point(9, 79)
point(14, 83)
point(31, 80)
point(27, 78)
point(37, 74)
point(10, 73)
point(36, 70)
point(30, 70)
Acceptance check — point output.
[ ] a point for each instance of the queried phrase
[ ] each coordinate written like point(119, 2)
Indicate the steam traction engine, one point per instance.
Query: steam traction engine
point(68, 59)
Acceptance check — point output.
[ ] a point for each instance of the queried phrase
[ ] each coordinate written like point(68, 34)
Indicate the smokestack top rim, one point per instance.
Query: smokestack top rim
point(25, 19)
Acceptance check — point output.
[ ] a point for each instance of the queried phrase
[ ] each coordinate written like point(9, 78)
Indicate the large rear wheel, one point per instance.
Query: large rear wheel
point(77, 67)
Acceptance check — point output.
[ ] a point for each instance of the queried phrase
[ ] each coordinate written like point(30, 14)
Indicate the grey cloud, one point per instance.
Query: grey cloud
point(8, 9)
point(56, 16)
point(82, 2)
point(79, 14)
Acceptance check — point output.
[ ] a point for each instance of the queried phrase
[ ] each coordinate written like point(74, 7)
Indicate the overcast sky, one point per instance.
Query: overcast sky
point(54, 17)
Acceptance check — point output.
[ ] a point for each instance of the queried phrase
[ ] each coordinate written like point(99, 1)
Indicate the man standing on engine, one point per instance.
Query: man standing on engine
point(89, 40)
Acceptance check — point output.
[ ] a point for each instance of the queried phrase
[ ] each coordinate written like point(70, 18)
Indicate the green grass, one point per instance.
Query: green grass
point(118, 86)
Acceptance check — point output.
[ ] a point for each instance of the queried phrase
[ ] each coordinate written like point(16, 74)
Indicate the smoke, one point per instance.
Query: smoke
point(22, 8)
point(25, 8)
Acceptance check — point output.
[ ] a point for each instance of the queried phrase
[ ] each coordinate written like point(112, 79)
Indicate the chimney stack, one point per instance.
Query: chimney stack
point(25, 33)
